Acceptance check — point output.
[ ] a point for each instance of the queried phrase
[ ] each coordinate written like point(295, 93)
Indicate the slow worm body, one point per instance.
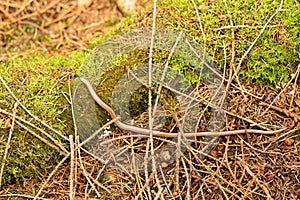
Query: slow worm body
point(144, 131)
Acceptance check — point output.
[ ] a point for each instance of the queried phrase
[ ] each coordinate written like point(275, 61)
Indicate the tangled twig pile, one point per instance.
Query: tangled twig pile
point(51, 26)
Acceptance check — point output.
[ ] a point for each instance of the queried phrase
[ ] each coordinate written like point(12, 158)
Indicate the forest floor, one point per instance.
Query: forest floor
point(239, 167)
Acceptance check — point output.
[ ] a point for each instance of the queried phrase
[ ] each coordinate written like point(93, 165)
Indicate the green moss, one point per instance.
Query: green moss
point(28, 158)
point(38, 82)
point(273, 58)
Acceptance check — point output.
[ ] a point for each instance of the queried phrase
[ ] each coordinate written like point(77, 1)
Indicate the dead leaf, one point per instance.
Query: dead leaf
point(297, 101)
point(288, 142)
point(214, 153)
point(175, 194)
point(7, 124)
point(270, 177)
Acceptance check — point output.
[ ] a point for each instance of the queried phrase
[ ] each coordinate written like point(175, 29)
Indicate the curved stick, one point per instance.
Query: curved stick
point(144, 131)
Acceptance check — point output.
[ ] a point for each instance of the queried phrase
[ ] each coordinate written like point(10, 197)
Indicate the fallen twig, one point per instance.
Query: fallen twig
point(8, 141)
point(284, 111)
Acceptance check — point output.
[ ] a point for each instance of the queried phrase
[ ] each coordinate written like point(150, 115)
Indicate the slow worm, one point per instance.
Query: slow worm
point(144, 131)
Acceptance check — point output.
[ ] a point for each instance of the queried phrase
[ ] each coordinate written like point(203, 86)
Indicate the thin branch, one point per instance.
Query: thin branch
point(86, 175)
point(50, 176)
point(11, 130)
point(67, 156)
point(56, 142)
point(24, 108)
point(72, 168)
point(284, 111)
point(201, 26)
point(41, 138)
point(286, 86)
